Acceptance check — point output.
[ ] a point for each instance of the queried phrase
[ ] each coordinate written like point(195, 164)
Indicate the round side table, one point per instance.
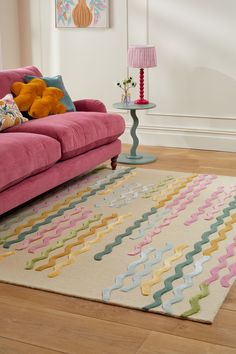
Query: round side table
point(132, 157)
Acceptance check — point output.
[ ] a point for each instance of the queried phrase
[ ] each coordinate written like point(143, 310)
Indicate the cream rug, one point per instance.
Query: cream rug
point(153, 240)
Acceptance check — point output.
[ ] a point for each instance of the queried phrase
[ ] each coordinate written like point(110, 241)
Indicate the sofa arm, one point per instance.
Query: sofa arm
point(89, 105)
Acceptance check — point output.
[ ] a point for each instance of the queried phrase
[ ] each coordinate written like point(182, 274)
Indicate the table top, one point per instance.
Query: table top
point(132, 106)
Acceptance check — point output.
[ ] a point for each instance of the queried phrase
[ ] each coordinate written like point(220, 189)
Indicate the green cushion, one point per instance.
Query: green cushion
point(56, 81)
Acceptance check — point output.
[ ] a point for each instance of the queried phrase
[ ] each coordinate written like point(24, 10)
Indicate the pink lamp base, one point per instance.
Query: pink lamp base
point(141, 101)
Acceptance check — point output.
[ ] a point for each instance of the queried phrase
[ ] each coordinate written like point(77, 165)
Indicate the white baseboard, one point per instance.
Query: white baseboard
point(183, 138)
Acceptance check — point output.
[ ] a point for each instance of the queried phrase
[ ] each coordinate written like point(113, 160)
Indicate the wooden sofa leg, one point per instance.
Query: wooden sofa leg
point(114, 162)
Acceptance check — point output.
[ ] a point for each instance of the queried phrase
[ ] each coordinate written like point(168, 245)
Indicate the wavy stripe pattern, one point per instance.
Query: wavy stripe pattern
point(188, 190)
point(46, 241)
point(194, 301)
point(220, 202)
point(86, 247)
point(214, 247)
point(201, 210)
point(167, 221)
point(117, 184)
point(188, 283)
point(170, 188)
point(46, 203)
point(224, 281)
point(84, 196)
point(197, 248)
point(146, 286)
point(123, 198)
point(142, 231)
point(118, 240)
point(72, 234)
point(158, 186)
point(148, 267)
point(222, 263)
point(119, 279)
point(31, 222)
point(222, 236)
point(80, 241)
point(53, 226)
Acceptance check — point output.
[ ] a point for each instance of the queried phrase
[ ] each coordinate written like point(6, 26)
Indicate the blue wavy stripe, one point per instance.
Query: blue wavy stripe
point(136, 280)
point(119, 279)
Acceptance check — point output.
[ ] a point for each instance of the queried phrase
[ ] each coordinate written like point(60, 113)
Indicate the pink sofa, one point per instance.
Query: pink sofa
point(41, 154)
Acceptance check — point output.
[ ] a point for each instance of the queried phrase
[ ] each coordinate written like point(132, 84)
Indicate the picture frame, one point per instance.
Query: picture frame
point(82, 13)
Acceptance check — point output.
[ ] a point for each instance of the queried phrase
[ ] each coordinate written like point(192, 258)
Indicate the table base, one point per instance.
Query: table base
point(139, 159)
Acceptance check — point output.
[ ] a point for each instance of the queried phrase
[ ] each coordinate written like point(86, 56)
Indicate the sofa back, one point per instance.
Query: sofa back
point(7, 77)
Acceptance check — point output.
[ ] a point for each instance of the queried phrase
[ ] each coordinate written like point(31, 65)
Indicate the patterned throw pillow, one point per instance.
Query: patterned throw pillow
point(56, 81)
point(9, 113)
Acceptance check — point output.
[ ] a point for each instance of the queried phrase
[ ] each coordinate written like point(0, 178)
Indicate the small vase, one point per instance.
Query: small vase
point(82, 14)
point(126, 98)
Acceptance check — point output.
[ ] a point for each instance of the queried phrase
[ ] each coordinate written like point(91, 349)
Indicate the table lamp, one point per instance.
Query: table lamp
point(142, 56)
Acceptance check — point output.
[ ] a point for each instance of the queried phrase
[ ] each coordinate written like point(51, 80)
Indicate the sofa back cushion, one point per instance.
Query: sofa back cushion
point(7, 77)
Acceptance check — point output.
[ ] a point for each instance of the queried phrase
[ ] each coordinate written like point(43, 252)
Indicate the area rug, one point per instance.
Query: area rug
point(152, 240)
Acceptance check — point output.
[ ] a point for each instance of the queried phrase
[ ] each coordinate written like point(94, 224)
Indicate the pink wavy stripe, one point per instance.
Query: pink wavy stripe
point(225, 280)
point(223, 263)
point(166, 222)
point(185, 192)
point(208, 203)
point(68, 191)
point(58, 233)
point(53, 226)
point(216, 209)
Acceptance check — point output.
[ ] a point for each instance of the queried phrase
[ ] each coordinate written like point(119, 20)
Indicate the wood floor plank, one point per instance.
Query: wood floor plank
point(8, 346)
point(189, 160)
point(230, 301)
point(67, 332)
point(221, 332)
point(159, 343)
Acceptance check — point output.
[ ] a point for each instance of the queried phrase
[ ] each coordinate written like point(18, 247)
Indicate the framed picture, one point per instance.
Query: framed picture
point(81, 13)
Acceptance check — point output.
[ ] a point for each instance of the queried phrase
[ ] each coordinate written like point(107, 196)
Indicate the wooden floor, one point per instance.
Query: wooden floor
point(33, 321)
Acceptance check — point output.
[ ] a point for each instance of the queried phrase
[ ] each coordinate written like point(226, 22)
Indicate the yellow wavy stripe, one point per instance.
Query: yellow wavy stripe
point(176, 191)
point(6, 254)
point(110, 188)
point(222, 236)
point(87, 246)
point(169, 188)
point(146, 286)
point(56, 207)
point(80, 240)
point(162, 186)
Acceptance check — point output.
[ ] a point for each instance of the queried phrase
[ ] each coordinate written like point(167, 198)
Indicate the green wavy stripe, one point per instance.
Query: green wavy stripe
point(128, 231)
point(60, 212)
point(194, 301)
point(44, 255)
point(189, 257)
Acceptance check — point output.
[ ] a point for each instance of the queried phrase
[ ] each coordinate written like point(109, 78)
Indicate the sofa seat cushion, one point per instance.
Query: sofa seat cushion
point(24, 155)
point(77, 132)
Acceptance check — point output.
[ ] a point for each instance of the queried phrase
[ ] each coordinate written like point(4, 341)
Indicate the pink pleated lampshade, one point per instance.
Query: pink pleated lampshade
point(142, 56)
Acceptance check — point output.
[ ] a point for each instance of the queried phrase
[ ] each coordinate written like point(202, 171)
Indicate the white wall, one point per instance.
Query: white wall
point(194, 84)
point(90, 60)
point(9, 34)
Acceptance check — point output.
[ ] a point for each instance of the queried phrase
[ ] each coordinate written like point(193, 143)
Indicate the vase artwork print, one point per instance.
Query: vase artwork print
point(81, 13)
